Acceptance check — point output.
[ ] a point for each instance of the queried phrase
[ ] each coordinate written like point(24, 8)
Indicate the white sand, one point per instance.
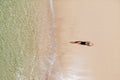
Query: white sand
point(90, 20)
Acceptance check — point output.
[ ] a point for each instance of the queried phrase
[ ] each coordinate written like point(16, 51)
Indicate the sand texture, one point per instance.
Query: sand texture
point(88, 20)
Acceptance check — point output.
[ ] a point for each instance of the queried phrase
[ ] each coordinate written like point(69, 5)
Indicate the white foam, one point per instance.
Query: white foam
point(52, 9)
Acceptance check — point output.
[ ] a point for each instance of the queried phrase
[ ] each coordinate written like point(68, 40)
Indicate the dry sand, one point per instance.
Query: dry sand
point(90, 20)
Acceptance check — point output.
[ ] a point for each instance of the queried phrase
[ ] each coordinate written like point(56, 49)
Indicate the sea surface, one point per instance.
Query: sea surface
point(27, 44)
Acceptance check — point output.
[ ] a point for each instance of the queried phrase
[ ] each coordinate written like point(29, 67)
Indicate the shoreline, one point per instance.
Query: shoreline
point(26, 40)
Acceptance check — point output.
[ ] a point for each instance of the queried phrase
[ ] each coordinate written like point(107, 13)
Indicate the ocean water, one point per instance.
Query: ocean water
point(27, 44)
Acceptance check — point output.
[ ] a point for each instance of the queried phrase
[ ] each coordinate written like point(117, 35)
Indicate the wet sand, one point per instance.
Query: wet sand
point(88, 20)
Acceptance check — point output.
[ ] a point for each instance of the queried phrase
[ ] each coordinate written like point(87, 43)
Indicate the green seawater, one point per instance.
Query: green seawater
point(22, 34)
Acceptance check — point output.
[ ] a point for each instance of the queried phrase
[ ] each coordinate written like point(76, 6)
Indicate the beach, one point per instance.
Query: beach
point(35, 38)
point(96, 21)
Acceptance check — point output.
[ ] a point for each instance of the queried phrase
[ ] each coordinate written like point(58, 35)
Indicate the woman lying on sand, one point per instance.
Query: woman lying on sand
point(87, 43)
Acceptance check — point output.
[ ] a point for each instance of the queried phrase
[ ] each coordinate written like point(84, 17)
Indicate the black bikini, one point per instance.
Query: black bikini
point(83, 43)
